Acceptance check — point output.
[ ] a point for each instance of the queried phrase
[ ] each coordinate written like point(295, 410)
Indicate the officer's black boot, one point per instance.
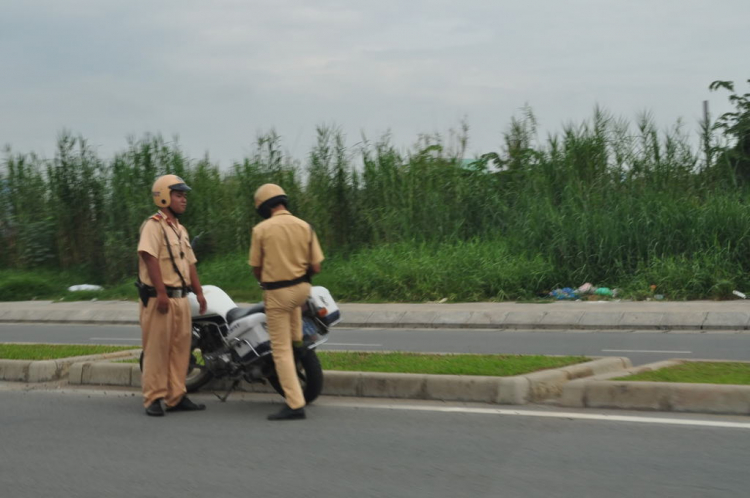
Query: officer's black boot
point(155, 409)
point(185, 405)
point(300, 349)
point(287, 413)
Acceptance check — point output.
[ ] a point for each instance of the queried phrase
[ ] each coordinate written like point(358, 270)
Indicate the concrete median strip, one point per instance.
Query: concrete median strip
point(501, 316)
point(105, 374)
point(515, 390)
point(585, 385)
point(601, 391)
point(50, 370)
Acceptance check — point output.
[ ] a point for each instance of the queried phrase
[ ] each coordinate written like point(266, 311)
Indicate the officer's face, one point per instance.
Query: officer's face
point(179, 201)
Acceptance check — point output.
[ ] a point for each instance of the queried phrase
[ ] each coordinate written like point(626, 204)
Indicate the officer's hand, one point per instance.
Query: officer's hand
point(162, 302)
point(202, 303)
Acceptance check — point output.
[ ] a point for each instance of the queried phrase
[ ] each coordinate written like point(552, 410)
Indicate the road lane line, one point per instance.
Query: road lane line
point(643, 351)
point(336, 402)
point(567, 415)
point(326, 344)
point(351, 344)
point(113, 339)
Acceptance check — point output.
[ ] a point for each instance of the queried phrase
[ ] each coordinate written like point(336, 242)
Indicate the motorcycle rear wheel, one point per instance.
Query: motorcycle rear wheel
point(197, 374)
point(310, 375)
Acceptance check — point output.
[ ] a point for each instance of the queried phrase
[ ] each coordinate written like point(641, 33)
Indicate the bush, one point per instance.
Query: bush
point(706, 275)
point(463, 271)
point(26, 287)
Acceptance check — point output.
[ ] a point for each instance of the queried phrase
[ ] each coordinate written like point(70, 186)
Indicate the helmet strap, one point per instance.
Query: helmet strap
point(264, 211)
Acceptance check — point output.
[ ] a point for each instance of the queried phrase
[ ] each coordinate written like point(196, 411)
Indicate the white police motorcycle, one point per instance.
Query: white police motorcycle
point(233, 343)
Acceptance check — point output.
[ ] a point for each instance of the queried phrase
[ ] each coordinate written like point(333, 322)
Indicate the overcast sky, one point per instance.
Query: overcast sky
point(218, 72)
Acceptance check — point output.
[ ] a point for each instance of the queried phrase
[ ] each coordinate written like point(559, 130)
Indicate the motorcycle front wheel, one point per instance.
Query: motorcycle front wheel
point(310, 375)
point(197, 375)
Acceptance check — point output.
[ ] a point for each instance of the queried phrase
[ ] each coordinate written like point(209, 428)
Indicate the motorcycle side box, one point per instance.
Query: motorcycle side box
point(324, 306)
point(252, 337)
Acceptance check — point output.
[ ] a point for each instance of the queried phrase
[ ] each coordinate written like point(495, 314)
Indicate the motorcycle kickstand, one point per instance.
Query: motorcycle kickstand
point(231, 389)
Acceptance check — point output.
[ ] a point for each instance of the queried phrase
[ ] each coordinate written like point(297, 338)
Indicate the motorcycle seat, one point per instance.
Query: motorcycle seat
point(236, 313)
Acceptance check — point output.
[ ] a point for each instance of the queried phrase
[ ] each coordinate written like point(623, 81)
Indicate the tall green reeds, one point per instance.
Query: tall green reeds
point(603, 201)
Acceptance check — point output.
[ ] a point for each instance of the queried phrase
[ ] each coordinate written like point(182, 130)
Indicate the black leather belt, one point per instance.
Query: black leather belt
point(284, 283)
point(177, 292)
point(174, 292)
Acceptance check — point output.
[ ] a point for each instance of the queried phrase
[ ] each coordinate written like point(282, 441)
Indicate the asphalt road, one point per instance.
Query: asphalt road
point(85, 443)
point(640, 347)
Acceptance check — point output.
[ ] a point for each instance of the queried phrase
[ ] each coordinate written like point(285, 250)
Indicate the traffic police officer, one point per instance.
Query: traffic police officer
point(284, 253)
point(166, 269)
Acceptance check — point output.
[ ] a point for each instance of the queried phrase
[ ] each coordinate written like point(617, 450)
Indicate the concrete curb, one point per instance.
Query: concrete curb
point(551, 320)
point(49, 370)
point(516, 390)
point(49, 314)
point(529, 320)
point(602, 392)
point(105, 374)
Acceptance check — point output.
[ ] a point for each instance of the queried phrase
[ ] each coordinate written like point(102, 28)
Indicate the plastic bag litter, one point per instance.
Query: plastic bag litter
point(585, 289)
point(85, 287)
point(564, 293)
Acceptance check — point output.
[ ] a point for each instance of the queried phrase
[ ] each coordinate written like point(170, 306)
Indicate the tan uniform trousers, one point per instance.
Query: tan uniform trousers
point(284, 316)
point(166, 350)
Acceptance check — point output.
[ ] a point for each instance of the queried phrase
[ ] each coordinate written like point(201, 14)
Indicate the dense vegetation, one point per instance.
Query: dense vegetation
point(605, 201)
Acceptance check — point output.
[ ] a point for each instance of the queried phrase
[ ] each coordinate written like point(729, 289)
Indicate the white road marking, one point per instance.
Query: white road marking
point(568, 415)
point(370, 403)
point(352, 344)
point(113, 339)
point(643, 351)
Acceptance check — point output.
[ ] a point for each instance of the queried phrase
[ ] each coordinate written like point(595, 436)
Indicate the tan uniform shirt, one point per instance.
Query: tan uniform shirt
point(283, 247)
point(153, 242)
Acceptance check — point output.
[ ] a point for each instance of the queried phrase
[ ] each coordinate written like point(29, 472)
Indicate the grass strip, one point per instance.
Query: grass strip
point(698, 373)
point(447, 364)
point(53, 351)
point(451, 364)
